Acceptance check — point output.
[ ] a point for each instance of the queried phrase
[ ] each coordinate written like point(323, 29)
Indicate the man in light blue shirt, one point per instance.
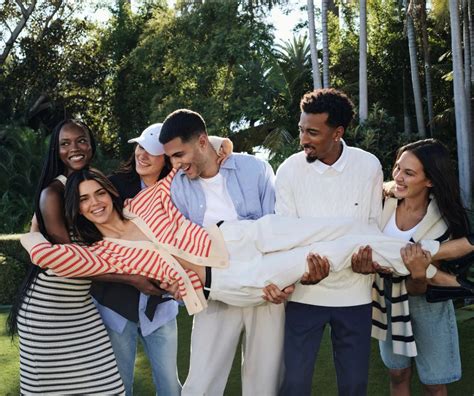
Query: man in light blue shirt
point(206, 193)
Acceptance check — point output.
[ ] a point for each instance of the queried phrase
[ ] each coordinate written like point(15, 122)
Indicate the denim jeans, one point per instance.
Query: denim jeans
point(161, 350)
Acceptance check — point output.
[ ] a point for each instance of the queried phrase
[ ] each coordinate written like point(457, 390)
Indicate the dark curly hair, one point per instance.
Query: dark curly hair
point(339, 107)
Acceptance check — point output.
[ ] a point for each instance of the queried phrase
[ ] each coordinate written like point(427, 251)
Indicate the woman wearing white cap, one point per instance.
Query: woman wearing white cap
point(127, 313)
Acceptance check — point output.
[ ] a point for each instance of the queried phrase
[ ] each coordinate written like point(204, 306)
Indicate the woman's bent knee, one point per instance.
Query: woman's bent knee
point(398, 376)
point(436, 390)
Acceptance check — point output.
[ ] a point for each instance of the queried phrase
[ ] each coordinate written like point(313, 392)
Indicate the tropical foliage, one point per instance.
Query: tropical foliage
point(219, 58)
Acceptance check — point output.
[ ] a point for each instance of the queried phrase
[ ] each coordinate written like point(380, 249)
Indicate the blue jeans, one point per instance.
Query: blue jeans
point(161, 350)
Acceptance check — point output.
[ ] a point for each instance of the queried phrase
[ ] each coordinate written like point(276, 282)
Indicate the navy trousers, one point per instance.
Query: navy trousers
point(350, 335)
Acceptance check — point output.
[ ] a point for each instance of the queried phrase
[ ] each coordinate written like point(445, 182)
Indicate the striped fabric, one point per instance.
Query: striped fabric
point(64, 347)
point(403, 341)
point(154, 213)
point(432, 226)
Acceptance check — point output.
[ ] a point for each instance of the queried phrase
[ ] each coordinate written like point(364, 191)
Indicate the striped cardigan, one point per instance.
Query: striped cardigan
point(432, 226)
point(172, 234)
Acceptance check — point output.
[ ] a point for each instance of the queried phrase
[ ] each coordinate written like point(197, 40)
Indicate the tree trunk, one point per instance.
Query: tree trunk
point(363, 99)
point(462, 127)
point(324, 13)
point(26, 13)
point(313, 47)
point(427, 61)
point(467, 77)
point(333, 7)
point(470, 14)
point(406, 114)
point(415, 81)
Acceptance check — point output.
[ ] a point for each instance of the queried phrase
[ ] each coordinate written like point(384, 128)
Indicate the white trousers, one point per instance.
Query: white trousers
point(274, 248)
point(214, 339)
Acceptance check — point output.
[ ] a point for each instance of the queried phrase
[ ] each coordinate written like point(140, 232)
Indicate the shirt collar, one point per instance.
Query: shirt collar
point(229, 163)
point(338, 166)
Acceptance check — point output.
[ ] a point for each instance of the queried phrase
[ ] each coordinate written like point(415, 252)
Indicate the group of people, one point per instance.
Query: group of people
point(219, 231)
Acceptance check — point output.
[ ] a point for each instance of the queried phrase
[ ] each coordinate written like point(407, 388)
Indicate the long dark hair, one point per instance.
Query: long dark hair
point(82, 229)
point(128, 169)
point(52, 167)
point(434, 156)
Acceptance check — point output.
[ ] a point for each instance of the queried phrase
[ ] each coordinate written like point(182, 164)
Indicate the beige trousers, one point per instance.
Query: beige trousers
point(214, 340)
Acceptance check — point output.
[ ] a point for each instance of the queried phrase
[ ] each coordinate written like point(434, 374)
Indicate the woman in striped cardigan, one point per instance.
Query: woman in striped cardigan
point(151, 237)
point(426, 205)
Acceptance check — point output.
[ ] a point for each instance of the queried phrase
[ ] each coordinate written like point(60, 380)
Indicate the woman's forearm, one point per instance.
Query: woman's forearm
point(454, 249)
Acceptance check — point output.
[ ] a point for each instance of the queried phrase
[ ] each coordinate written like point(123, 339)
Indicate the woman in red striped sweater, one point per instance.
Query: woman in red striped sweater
point(151, 237)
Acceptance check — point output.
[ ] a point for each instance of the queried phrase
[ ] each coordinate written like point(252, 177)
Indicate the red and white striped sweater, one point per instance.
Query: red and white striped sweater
point(172, 234)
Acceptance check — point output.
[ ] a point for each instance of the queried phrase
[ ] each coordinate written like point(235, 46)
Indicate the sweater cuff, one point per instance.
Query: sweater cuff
point(31, 239)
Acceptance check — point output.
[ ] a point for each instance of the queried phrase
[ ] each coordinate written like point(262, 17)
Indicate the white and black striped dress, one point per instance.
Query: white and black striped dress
point(64, 346)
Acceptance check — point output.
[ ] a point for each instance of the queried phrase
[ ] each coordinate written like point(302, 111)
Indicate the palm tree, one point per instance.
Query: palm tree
point(468, 74)
point(427, 61)
point(470, 13)
point(363, 99)
point(414, 70)
point(289, 73)
point(406, 113)
point(313, 46)
point(324, 20)
point(460, 107)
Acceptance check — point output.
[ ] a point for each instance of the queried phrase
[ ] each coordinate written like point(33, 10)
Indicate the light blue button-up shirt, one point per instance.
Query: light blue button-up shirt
point(249, 181)
point(163, 314)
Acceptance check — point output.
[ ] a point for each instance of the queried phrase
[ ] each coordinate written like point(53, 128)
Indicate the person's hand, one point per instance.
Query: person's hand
point(273, 294)
point(148, 286)
point(318, 269)
point(362, 263)
point(225, 151)
point(172, 289)
point(416, 260)
point(34, 224)
point(388, 190)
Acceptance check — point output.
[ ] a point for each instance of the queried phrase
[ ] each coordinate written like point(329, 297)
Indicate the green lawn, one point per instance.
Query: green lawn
point(324, 378)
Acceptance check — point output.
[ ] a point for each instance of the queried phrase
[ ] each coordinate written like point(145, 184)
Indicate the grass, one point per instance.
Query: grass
point(324, 381)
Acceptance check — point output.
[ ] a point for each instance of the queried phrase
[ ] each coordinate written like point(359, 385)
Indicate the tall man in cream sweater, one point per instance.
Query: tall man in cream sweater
point(329, 179)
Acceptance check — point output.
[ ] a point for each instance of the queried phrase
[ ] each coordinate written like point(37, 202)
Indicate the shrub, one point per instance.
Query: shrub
point(14, 262)
point(379, 135)
point(12, 273)
point(21, 151)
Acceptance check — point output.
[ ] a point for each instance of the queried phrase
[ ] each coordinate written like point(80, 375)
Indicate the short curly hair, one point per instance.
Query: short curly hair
point(337, 104)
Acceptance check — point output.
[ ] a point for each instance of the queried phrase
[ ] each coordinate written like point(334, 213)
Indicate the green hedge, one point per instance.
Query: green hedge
point(14, 262)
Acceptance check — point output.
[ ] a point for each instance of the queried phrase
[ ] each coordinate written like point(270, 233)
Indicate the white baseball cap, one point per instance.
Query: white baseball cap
point(150, 140)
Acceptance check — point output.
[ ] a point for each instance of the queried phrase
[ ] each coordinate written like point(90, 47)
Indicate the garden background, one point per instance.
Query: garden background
point(407, 65)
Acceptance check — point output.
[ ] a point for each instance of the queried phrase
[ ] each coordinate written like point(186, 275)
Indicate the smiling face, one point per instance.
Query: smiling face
point(95, 203)
point(189, 156)
point(319, 140)
point(410, 178)
point(75, 149)
point(148, 166)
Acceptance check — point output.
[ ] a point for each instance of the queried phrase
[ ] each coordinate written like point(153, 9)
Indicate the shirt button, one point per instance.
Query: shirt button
point(200, 206)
